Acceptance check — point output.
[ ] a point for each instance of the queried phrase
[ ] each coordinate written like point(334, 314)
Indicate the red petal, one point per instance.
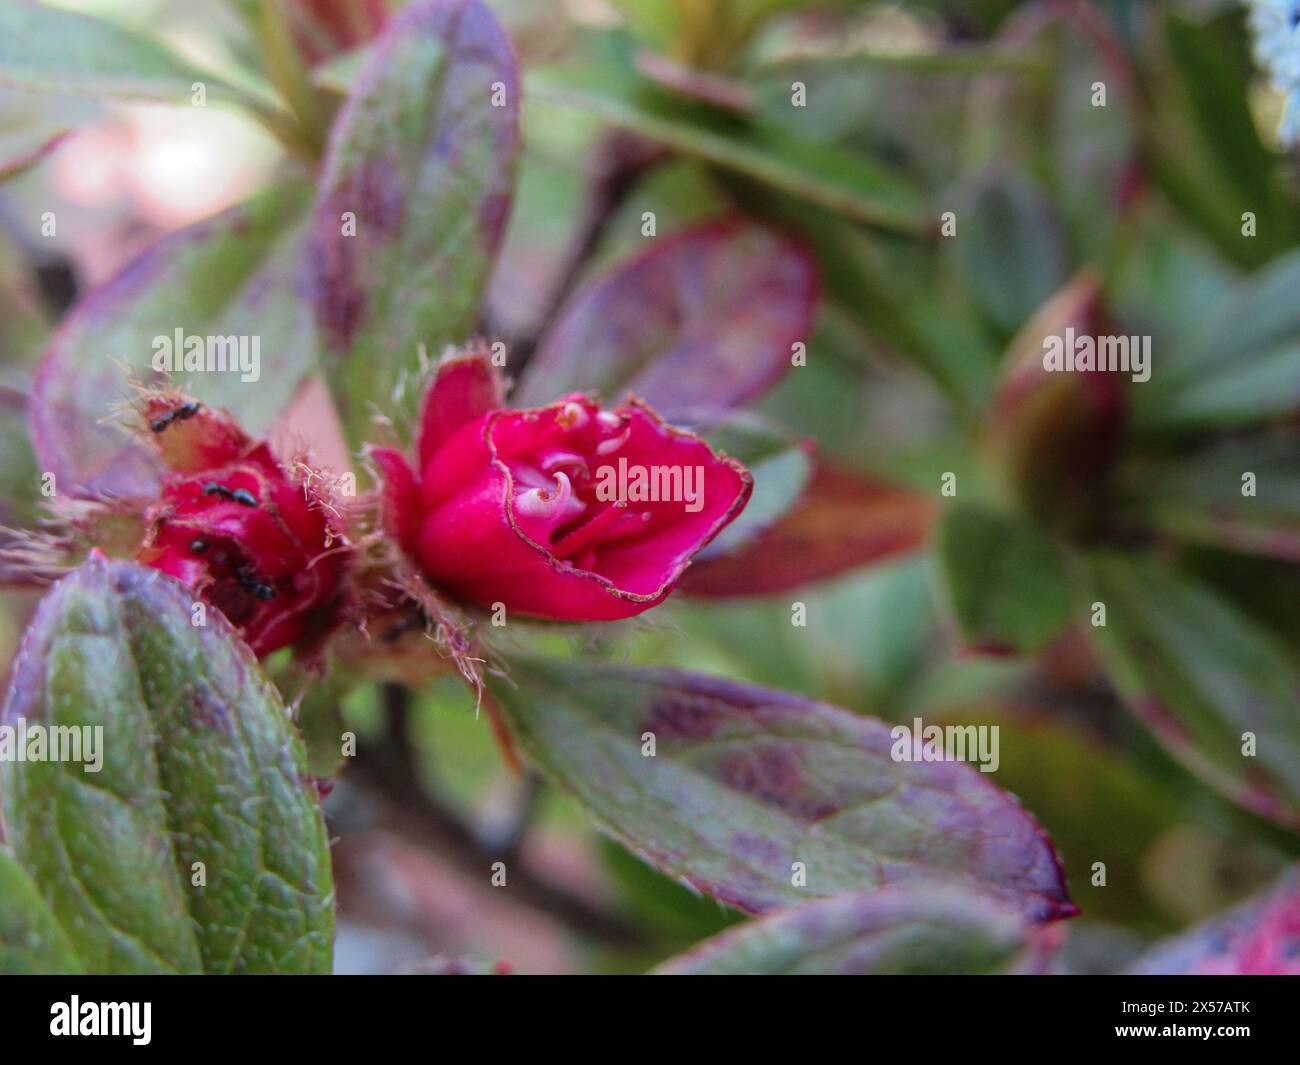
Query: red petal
point(400, 497)
point(466, 386)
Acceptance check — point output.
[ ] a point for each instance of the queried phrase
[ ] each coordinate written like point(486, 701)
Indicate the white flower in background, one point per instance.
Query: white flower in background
point(1276, 28)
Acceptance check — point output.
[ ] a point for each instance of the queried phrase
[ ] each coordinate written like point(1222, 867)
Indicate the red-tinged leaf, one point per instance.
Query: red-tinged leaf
point(232, 276)
point(913, 929)
point(323, 28)
point(746, 782)
point(1202, 497)
point(464, 386)
point(1214, 686)
point(1261, 937)
point(414, 198)
point(698, 323)
point(1051, 437)
point(842, 521)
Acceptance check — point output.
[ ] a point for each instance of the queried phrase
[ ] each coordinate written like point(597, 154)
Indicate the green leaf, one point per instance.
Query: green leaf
point(1005, 579)
point(19, 476)
point(849, 184)
point(1204, 146)
point(1200, 497)
point(1241, 368)
point(423, 164)
point(197, 763)
point(672, 909)
point(1202, 676)
point(49, 49)
point(863, 280)
point(1011, 255)
point(747, 781)
point(31, 940)
point(867, 634)
point(1265, 588)
point(782, 468)
point(917, 929)
point(232, 276)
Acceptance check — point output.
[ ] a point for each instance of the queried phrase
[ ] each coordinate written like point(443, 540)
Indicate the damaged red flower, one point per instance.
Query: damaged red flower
point(231, 524)
point(566, 512)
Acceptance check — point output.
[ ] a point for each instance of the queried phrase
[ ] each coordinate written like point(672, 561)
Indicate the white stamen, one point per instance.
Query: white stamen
point(541, 503)
point(608, 447)
point(572, 416)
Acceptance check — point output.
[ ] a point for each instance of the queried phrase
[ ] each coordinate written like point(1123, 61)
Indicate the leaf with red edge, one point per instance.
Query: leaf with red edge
point(230, 276)
point(423, 163)
point(1199, 497)
point(700, 322)
point(1261, 937)
point(915, 929)
point(1213, 685)
point(843, 520)
point(746, 781)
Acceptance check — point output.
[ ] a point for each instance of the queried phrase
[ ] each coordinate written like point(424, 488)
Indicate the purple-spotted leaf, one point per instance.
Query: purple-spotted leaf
point(184, 833)
point(227, 287)
point(1213, 685)
point(841, 521)
point(920, 928)
point(696, 324)
point(1260, 937)
point(760, 798)
point(414, 198)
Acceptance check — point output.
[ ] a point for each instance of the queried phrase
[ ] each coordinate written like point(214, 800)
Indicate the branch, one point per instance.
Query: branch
point(388, 772)
point(620, 162)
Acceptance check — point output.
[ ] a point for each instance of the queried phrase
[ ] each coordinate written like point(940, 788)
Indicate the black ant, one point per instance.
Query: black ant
point(238, 495)
point(249, 581)
point(183, 413)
